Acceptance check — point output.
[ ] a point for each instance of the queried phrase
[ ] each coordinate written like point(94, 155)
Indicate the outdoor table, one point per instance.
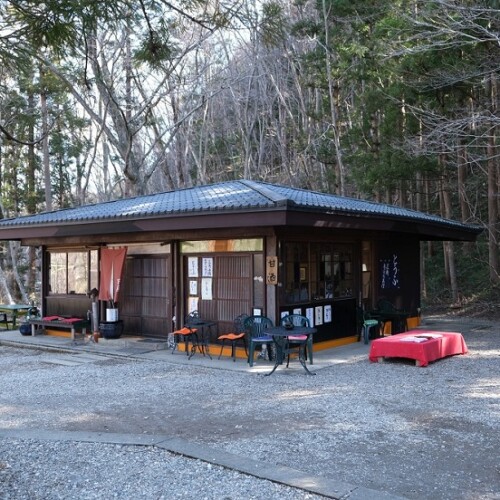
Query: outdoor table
point(280, 336)
point(423, 346)
point(398, 319)
point(14, 310)
point(202, 337)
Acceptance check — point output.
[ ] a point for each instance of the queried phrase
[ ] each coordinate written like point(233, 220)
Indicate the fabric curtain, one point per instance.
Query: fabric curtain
point(111, 270)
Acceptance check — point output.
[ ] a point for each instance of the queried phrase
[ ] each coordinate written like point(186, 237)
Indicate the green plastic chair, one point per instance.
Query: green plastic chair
point(255, 327)
point(299, 320)
point(366, 323)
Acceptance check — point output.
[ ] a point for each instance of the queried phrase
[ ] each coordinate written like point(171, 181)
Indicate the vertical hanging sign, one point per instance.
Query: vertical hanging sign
point(271, 270)
point(390, 273)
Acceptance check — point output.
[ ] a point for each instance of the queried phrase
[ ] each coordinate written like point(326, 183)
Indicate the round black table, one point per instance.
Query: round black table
point(201, 339)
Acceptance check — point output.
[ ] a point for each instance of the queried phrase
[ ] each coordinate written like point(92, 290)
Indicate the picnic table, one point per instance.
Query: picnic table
point(14, 310)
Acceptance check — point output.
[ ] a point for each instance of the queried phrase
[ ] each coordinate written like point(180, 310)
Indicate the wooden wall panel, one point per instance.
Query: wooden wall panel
point(145, 301)
point(68, 305)
point(232, 288)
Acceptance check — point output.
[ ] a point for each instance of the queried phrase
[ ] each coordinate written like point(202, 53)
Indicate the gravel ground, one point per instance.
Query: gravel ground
point(419, 433)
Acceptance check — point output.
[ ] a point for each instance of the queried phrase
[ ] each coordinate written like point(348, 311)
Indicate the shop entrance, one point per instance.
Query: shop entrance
point(145, 296)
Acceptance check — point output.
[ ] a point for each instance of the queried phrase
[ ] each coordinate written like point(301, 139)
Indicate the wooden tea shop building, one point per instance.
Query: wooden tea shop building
point(231, 248)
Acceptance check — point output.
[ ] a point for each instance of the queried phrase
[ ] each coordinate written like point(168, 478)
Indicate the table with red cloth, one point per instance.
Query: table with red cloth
point(423, 346)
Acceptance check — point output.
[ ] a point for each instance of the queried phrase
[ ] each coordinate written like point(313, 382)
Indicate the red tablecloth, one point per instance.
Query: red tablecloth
point(422, 350)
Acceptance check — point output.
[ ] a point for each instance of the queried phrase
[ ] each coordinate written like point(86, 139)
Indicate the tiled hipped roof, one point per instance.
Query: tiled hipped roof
point(227, 197)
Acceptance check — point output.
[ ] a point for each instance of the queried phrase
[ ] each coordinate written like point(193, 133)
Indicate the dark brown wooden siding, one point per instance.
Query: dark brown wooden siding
point(145, 297)
point(400, 262)
point(67, 305)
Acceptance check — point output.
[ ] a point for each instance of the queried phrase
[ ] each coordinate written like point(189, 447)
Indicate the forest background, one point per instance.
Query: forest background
point(394, 101)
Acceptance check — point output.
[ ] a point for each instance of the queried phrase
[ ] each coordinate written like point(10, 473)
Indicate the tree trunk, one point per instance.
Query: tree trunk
point(4, 287)
point(31, 201)
point(333, 95)
point(45, 147)
point(419, 206)
point(450, 258)
point(13, 247)
point(449, 250)
point(462, 168)
point(493, 230)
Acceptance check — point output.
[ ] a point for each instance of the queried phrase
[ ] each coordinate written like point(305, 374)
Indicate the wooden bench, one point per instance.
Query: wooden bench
point(72, 324)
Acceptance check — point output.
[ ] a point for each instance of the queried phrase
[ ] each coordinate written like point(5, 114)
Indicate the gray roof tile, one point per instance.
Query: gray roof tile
point(225, 197)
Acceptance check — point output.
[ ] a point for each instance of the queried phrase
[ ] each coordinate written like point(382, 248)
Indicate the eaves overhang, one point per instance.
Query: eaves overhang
point(423, 231)
point(232, 204)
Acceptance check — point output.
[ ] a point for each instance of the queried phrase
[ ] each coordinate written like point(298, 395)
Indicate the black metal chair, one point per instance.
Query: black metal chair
point(298, 340)
point(187, 334)
point(255, 327)
point(237, 335)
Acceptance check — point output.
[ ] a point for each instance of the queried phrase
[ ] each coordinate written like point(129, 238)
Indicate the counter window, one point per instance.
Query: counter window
point(72, 272)
point(316, 271)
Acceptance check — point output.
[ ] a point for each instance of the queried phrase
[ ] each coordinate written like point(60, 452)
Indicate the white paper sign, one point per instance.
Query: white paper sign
point(206, 289)
point(193, 304)
point(207, 267)
point(318, 313)
point(310, 316)
point(193, 267)
point(328, 314)
point(193, 287)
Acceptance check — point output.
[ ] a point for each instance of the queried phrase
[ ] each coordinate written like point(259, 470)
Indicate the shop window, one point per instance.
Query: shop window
point(324, 281)
point(366, 269)
point(297, 272)
point(73, 272)
point(343, 272)
point(317, 271)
